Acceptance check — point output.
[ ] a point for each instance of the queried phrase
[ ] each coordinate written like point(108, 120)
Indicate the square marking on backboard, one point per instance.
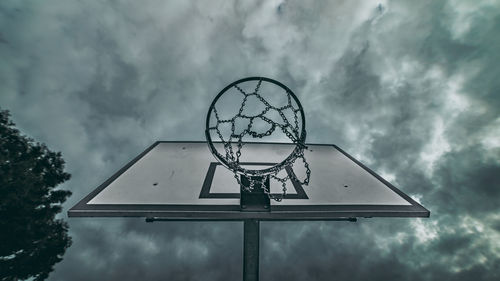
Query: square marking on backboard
point(218, 177)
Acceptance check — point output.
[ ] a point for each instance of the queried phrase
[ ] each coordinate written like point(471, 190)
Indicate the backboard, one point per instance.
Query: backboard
point(183, 181)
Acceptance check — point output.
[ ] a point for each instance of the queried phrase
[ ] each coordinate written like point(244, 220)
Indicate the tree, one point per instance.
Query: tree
point(32, 240)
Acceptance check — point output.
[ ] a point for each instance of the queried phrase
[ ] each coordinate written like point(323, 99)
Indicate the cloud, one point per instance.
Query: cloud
point(409, 88)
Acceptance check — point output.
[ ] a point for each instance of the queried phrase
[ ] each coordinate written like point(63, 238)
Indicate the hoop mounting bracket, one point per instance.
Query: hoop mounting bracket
point(255, 200)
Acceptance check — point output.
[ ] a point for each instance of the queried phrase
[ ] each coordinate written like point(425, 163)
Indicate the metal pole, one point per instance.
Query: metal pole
point(251, 235)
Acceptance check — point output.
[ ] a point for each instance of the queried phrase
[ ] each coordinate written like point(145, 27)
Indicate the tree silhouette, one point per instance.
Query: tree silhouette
point(32, 240)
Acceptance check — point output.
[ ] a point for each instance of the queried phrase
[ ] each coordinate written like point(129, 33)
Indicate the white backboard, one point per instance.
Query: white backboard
point(183, 180)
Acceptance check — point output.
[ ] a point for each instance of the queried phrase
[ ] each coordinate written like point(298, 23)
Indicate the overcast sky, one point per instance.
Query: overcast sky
point(410, 88)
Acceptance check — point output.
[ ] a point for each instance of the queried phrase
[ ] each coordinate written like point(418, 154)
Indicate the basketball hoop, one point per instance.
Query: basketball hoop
point(233, 142)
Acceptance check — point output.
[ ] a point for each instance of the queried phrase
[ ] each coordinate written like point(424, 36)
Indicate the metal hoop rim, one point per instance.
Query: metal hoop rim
point(299, 145)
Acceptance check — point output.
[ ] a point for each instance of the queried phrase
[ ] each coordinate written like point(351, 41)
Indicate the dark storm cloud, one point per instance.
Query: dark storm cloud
point(478, 177)
point(410, 88)
point(177, 250)
point(3, 40)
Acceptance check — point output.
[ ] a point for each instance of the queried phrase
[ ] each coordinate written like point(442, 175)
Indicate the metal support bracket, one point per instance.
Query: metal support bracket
point(255, 200)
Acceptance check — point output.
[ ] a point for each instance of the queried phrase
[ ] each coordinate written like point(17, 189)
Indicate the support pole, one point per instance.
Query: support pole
point(251, 236)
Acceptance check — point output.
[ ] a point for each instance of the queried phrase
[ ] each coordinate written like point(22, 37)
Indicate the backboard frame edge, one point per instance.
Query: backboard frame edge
point(230, 212)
